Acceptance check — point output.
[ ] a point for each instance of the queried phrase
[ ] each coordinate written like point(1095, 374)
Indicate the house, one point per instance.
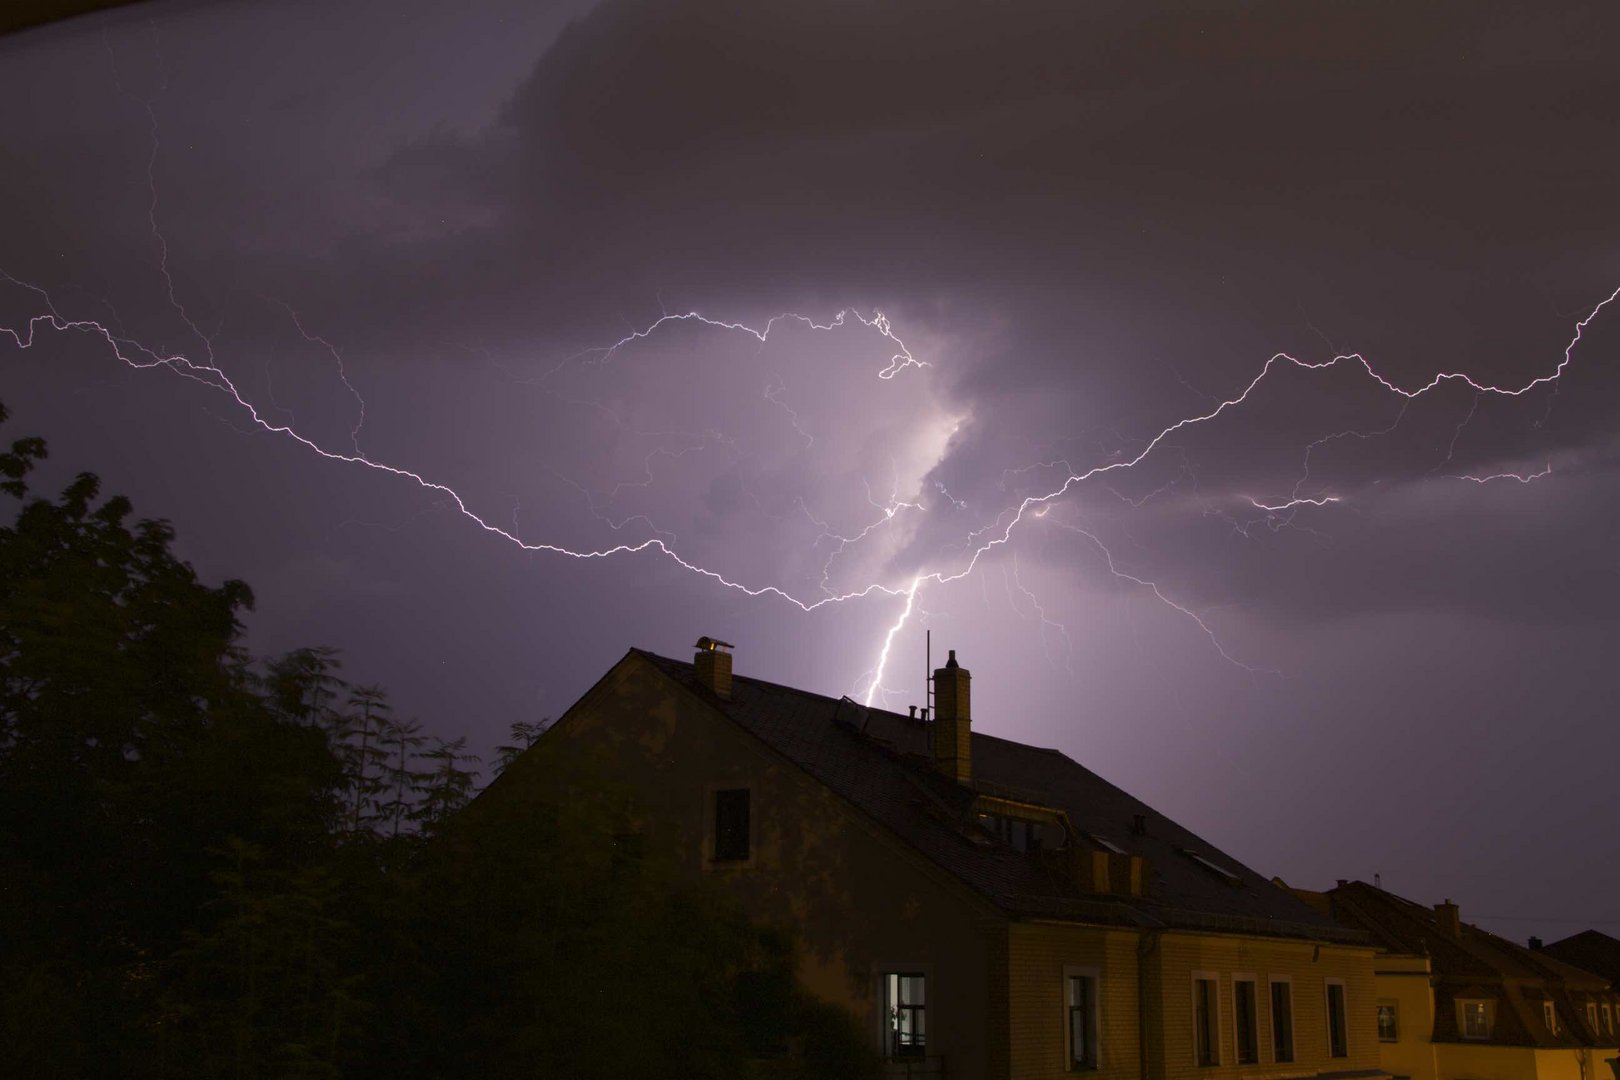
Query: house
point(1590, 950)
point(1458, 1003)
point(984, 908)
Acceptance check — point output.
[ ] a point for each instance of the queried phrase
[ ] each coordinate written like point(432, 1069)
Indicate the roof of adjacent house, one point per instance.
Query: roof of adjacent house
point(1592, 950)
point(1477, 964)
point(881, 763)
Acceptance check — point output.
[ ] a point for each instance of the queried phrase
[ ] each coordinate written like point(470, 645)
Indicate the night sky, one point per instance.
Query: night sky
point(412, 233)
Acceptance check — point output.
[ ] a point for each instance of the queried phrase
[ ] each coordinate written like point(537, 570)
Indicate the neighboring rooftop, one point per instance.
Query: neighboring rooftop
point(1467, 962)
point(1591, 950)
point(882, 763)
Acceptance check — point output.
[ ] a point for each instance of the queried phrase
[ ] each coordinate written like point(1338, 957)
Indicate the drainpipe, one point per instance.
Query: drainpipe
point(1147, 949)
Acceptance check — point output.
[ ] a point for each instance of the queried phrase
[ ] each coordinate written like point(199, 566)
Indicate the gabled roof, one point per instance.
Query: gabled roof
point(880, 762)
point(1592, 950)
point(1475, 964)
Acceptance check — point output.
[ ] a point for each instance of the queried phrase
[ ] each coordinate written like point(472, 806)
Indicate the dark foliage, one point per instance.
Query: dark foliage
point(206, 870)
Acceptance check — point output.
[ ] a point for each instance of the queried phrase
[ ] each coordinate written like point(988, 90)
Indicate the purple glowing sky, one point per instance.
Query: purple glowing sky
point(415, 242)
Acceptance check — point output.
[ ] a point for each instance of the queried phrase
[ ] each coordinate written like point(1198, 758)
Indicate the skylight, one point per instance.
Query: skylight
point(1226, 875)
point(1108, 844)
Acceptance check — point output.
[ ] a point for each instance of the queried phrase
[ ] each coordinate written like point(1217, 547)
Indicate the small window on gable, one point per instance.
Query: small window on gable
point(1476, 1019)
point(731, 825)
point(1550, 1015)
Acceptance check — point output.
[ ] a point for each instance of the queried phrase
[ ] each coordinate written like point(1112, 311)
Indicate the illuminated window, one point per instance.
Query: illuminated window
point(1206, 1022)
point(1247, 1017)
point(1282, 1021)
point(731, 825)
point(1388, 1029)
point(1550, 1015)
point(1082, 1021)
point(1476, 1019)
point(905, 1005)
point(1016, 833)
point(1337, 1046)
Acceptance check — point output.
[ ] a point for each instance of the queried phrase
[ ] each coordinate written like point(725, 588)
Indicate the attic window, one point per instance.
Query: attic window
point(1550, 1014)
point(1016, 833)
point(1108, 845)
point(1220, 871)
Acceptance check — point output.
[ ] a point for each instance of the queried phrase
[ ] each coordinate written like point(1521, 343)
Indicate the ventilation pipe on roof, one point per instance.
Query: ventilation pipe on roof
point(953, 721)
point(713, 665)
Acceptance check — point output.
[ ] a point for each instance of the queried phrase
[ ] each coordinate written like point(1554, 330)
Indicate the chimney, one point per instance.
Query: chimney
point(1449, 920)
point(953, 721)
point(1535, 944)
point(713, 664)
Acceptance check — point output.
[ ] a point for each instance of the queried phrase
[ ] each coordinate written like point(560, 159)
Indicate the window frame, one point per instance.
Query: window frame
point(1241, 978)
point(1484, 1012)
point(712, 859)
point(1093, 1017)
point(1549, 1015)
point(888, 1018)
point(1394, 1020)
point(1287, 983)
point(1342, 1015)
point(1211, 1027)
point(1608, 1018)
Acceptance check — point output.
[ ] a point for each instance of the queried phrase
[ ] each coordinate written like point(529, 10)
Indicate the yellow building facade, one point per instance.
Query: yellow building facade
point(1454, 1002)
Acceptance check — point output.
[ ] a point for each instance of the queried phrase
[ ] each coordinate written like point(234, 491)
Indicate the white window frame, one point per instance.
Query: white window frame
point(1095, 975)
point(1608, 1018)
point(1485, 1011)
point(1395, 1010)
point(1214, 1020)
point(1271, 1013)
point(1344, 1017)
point(1549, 1015)
point(1237, 1035)
point(880, 998)
point(1591, 1016)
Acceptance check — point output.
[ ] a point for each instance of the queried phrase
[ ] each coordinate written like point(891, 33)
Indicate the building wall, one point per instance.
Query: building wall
point(859, 900)
point(1177, 956)
point(1041, 955)
point(1404, 981)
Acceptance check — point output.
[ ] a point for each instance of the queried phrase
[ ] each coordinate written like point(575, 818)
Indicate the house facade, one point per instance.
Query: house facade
point(1457, 1003)
point(984, 908)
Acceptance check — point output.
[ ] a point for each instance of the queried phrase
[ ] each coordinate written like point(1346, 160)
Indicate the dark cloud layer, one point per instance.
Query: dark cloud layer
point(1090, 221)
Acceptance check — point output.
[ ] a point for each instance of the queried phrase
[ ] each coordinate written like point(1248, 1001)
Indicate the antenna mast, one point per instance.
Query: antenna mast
point(928, 672)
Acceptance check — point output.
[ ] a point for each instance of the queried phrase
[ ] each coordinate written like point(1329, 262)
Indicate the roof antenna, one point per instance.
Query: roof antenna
point(928, 672)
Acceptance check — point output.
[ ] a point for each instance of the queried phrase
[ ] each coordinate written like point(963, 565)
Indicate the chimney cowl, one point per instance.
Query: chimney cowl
point(712, 665)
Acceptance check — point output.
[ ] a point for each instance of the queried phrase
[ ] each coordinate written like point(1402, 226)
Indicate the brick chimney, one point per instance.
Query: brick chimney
point(953, 721)
point(1448, 918)
point(713, 665)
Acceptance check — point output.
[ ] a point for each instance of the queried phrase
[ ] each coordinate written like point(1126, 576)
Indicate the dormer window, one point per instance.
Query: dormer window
point(1476, 1019)
point(1591, 1016)
point(1016, 833)
point(1550, 1015)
